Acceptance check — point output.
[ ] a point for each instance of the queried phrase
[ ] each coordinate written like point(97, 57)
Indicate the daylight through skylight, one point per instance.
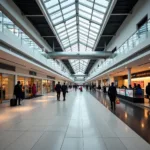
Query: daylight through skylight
point(77, 24)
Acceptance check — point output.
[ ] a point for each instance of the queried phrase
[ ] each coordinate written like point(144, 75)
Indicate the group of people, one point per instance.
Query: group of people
point(61, 88)
point(19, 94)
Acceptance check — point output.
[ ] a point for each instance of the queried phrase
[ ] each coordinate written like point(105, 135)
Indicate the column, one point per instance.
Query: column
point(101, 82)
point(16, 79)
point(111, 79)
point(96, 83)
point(129, 76)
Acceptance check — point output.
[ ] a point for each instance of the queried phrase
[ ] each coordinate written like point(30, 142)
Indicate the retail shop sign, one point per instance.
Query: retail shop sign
point(32, 73)
point(141, 74)
point(129, 93)
point(50, 77)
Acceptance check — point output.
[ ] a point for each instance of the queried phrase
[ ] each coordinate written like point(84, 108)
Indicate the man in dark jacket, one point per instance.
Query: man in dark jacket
point(112, 92)
point(58, 90)
point(18, 92)
point(64, 90)
point(148, 91)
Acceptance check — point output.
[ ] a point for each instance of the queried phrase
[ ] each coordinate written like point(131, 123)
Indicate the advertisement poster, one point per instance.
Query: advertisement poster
point(129, 93)
point(138, 82)
point(122, 92)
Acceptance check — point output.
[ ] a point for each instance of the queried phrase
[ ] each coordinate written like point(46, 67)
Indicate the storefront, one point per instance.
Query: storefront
point(7, 82)
point(46, 86)
point(142, 78)
point(27, 83)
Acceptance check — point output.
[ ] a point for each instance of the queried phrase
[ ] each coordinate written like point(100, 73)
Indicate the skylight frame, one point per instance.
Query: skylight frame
point(97, 11)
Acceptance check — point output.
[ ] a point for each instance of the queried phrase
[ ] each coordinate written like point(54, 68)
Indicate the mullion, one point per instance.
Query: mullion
point(62, 14)
point(91, 7)
point(61, 7)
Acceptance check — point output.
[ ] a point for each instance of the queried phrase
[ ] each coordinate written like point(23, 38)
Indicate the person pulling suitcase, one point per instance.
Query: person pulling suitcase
point(18, 92)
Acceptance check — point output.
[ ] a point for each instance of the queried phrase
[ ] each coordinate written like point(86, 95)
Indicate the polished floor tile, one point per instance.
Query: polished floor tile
point(25, 141)
point(79, 123)
point(94, 143)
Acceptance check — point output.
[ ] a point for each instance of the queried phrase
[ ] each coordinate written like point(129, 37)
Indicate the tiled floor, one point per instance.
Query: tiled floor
point(80, 123)
point(137, 118)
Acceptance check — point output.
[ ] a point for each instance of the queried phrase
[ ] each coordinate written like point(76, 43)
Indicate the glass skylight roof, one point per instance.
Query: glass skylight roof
point(77, 24)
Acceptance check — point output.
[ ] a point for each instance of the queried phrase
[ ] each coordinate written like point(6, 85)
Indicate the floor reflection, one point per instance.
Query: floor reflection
point(138, 119)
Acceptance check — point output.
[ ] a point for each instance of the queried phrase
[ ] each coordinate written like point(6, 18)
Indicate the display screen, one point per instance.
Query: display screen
point(122, 92)
point(118, 91)
point(129, 93)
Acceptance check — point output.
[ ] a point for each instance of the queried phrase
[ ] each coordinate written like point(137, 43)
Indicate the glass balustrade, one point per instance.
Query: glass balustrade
point(134, 40)
point(6, 25)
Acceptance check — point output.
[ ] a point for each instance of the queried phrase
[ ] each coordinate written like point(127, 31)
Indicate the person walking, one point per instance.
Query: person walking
point(33, 90)
point(148, 91)
point(58, 90)
point(112, 93)
point(64, 91)
point(18, 92)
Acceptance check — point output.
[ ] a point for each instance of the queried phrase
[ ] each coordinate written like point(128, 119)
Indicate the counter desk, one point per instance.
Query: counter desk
point(130, 95)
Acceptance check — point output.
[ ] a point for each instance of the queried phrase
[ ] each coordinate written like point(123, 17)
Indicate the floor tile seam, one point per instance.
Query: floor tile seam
point(37, 140)
point(65, 135)
point(14, 140)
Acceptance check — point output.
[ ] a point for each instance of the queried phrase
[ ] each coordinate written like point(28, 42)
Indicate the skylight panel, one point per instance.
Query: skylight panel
point(77, 33)
point(71, 14)
point(54, 9)
point(67, 2)
point(88, 3)
point(68, 9)
point(102, 2)
point(51, 3)
point(99, 8)
point(71, 24)
point(55, 15)
point(58, 20)
point(84, 14)
point(97, 14)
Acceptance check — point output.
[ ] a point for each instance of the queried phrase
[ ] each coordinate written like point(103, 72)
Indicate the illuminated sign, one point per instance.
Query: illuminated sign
point(129, 93)
point(122, 92)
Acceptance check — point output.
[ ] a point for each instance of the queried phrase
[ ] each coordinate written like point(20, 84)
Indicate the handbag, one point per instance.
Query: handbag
point(117, 101)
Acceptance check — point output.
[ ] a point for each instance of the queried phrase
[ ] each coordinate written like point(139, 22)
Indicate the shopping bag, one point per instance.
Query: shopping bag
point(117, 101)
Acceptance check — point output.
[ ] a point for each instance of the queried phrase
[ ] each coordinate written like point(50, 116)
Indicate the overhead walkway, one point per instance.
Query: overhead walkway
point(81, 122)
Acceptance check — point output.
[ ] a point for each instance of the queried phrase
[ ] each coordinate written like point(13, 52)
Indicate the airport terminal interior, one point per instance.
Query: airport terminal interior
point(74, 74)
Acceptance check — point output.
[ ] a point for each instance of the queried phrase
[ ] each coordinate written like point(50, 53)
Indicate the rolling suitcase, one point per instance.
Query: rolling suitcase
point(13, 102)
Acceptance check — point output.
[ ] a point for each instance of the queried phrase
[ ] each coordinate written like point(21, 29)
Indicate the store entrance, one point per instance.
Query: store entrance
point(6, 86)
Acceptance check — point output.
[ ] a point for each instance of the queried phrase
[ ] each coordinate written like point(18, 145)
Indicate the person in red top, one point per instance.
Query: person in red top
point(33, 90)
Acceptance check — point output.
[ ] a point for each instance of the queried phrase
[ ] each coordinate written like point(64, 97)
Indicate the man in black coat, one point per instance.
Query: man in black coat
point(112, 93)
point(18, 92)
point(64, 90)
point(58, 90)
point(148, 91)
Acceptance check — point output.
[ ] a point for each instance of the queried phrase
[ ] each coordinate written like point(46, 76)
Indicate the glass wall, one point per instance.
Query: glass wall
point(27, 84)
point(47, 86)
point(6, 86)
point(38, 83)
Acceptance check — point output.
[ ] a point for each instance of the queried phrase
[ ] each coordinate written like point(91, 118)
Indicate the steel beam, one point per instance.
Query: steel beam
point(80, 55)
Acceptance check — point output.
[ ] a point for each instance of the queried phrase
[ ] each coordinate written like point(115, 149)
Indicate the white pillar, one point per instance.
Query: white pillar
point(96, 83)
point(16, 79)
point(111, 79)
point(101, 82)
point(129, 76)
